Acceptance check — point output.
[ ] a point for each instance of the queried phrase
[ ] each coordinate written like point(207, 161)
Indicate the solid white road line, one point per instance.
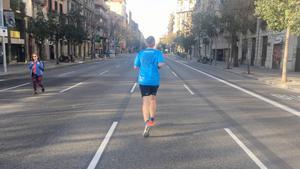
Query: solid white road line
point(249, 152)
point(62, 91)
point(3, 90)
point(99, 152)
point(133, 87)
point(272, 102)
point(187, 88)
point(100, 74)
point(1, 80)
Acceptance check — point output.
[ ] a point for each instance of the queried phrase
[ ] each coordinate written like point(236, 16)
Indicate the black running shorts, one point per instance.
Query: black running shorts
point(148, 90)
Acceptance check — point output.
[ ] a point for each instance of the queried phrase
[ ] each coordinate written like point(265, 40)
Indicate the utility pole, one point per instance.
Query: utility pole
point(3, 36)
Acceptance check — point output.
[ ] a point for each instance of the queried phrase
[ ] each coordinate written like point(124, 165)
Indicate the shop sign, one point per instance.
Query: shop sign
point(15, 34)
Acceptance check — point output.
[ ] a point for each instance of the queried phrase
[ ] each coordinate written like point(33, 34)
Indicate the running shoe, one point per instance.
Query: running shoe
point(150, 123)
point(147, 130)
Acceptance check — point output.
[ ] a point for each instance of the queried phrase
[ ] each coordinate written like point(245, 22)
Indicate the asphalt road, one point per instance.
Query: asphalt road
point(90, 118)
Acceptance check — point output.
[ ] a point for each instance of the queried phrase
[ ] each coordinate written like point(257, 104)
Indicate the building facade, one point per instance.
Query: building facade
point(183, 16)
point(104, 22)
point(20, 44)
point(117, 6)
point(264, 48)
point(118, 25)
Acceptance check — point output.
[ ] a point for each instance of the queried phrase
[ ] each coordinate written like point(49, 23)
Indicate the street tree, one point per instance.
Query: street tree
point(234, 20)
point(185, 42)
point(56, 25)
point(38, 27)
point(74, 31)
point(281, 15)
point(205, 27)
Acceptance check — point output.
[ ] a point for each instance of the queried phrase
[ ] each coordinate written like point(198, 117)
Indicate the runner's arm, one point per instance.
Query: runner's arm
point(160, 65)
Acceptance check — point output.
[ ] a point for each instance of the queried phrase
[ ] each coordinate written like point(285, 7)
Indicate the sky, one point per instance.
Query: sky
point(152, 15)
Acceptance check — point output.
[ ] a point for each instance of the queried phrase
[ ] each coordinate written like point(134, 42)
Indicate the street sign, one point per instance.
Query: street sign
point(3, 31)
point(10, 19)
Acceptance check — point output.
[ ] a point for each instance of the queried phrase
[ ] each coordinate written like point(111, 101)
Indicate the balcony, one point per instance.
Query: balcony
point(40, 2)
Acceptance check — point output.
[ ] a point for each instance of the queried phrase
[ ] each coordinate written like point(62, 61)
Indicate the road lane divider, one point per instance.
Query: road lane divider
point(246, 149)
point(100, 74)
point(133, 87)
point(21, 85)
point(267, 100)
point(62, 91)
point(187, 88)
point(64, 74)
point(102, 147)
point(175, 74)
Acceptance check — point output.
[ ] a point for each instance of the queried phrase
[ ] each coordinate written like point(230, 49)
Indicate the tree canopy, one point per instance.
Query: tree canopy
point(280, 14)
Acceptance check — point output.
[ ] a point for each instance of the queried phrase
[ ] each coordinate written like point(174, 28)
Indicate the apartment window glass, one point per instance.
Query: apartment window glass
point(50, 5)
point(56, 6)
point(60, 8)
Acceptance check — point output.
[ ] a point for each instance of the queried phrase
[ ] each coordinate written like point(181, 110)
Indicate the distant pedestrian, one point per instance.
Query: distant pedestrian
point(36, 68)
point(148, 61)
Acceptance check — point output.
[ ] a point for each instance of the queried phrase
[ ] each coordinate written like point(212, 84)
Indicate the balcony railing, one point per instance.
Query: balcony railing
point(41, 2)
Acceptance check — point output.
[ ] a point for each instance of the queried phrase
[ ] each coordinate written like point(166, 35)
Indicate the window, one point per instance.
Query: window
point(60, 8)
point(56, 7)
point(50, 5)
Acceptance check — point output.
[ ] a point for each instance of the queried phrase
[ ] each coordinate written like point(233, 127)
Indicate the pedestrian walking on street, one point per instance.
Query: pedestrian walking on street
point(149, 61)
point(36, 68)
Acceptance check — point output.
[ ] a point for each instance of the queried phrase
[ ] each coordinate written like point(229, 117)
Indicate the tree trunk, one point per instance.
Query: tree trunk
point(80, 51)
point(234, 51)
point(61, 43)
point(228, 57)
point(74, 50)
point(68, 48)
point(210, 51)
point(247, 58)
point(8, 56)
point(285, 57)
point(56, 51)
point(39, 50)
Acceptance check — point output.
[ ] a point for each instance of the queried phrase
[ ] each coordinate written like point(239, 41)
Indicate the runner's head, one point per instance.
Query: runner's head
point(150, 42)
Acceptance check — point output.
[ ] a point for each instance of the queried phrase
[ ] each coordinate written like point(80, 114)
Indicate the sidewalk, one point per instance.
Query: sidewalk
point(21, 68)
point(268, 76)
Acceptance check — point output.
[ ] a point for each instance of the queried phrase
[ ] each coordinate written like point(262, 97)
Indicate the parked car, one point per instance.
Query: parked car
point(63, 58)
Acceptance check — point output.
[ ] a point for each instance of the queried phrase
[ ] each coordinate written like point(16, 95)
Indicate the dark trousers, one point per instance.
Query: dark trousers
point(37, 80)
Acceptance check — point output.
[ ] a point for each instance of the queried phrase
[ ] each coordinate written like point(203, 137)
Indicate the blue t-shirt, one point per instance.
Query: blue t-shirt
point(147, 60)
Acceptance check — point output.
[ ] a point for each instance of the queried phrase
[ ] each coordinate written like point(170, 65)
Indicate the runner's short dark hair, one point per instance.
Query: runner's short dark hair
point(150, 41)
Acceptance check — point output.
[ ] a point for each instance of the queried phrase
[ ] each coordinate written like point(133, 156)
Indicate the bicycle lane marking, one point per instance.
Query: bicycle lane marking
point(272, 102)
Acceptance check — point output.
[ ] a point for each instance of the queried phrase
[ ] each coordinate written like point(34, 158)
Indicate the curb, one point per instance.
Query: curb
point(19, 73)
point(244, 74)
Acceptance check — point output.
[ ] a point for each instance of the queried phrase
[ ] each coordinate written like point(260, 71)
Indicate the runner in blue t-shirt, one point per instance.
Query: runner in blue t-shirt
point(149, 61)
